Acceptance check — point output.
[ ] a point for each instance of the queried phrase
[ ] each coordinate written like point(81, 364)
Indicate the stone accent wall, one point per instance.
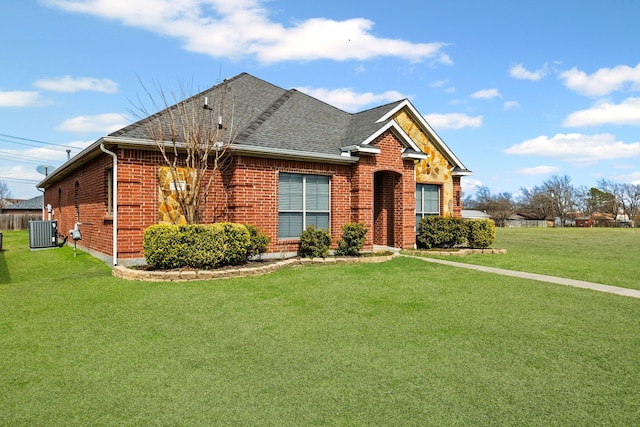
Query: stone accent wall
point(436, 169)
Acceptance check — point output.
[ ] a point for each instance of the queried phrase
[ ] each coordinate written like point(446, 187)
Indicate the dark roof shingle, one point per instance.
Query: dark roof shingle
point(274, 118)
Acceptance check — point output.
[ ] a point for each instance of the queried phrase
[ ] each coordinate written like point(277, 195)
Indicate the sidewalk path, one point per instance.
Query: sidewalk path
point(540, 277)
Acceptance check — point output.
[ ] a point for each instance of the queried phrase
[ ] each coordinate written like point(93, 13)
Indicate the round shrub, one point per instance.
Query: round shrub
point(259, 241)
point(481, 233)
point(163, 246)
point(441, 232)
point(352, 240)
point(314, 242)
point(207, 249)
point(196, 246)
point(236, 242)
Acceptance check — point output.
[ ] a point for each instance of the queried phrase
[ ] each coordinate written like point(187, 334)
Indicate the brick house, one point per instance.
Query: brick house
point(296, 161)
point(24, 207)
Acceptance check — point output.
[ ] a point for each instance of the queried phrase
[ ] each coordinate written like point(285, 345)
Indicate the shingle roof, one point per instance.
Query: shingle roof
point(279, 119)
point(31, 204)
point(269, 120)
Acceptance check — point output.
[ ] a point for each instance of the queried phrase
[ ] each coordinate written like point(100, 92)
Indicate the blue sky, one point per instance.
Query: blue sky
point(519, 90)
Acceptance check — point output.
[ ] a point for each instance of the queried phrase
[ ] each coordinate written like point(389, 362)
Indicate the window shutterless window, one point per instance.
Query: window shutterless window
point(303, 200)
point(427, 201)
point(110, 191)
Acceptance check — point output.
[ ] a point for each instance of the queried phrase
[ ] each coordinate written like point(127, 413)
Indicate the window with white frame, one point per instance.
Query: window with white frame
point(303, 200)
point(427, 201)
point(109, 178)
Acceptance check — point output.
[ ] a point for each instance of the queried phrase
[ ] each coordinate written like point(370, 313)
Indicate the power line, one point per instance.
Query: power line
point(20, 157)
point(29, 145)
point(37, 141)
point(27, 181)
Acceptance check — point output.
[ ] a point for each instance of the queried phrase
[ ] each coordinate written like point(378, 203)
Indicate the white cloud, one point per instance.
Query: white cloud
point(602, 82)
point(226, 28)
point(101, 123)
point(442, 58)
point(453, 121)
point(470, 185)
point(443, 84)
point(576, 148)
point(18, 98)
point(439, 83)
point(511, 105)
point(519, 72)
point(347, 99)
point(539, 170)
point(626, 113)
point(622, 166)
point(75, 84)
point(486, 94)
point(631, 178)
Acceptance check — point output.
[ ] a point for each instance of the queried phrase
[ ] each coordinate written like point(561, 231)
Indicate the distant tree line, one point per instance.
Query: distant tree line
point(558, 198)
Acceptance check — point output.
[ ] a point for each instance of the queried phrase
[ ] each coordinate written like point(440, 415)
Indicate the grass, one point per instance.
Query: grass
point(601, 255)
point(399, 343)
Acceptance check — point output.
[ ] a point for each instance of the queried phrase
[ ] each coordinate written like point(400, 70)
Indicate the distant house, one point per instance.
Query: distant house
point(26, 207)
point(623, 220)
point(296, 162)
point(474, 214)
point(584, 222)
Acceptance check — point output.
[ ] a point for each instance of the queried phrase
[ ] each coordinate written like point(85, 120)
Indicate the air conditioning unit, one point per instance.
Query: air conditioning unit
point(43, 234)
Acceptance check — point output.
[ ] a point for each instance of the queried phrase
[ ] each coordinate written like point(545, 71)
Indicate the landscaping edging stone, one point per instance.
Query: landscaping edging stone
point(187, 275)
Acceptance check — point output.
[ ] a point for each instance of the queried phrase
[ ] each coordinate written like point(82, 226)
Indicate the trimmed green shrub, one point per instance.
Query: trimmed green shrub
point(441, 232)
point(481, 233)
point(352, 240)
point(259, 241)
point(196, 246)
point(237, 240)
point(314, 242)
point(163, 246)
point(206, 247)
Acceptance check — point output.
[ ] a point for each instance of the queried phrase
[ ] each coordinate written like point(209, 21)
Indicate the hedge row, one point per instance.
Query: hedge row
point(220, 244)
point(202, 246)
point(447, 232)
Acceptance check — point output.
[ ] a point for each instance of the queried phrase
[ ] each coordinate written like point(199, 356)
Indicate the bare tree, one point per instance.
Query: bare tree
point(4, 194)
point(631, 200)
point(499, 206)
point(563, 196)
point(536, 202)
point(193, 134)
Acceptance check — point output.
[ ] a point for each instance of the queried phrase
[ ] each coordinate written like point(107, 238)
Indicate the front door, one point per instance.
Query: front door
point(386, 207)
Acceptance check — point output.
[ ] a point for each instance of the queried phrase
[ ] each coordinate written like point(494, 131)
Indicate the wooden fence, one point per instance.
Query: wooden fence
point(17, 221)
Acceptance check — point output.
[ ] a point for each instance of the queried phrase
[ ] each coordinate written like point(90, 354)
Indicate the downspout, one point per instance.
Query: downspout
point(115, 202)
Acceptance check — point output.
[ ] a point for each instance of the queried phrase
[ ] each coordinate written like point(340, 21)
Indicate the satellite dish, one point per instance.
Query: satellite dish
point(45, 169)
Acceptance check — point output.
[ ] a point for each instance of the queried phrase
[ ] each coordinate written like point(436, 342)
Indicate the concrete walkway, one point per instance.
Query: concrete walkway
point(540, 277)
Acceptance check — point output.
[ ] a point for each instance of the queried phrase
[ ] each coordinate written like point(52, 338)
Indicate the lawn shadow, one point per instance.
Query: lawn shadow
point(5, 277)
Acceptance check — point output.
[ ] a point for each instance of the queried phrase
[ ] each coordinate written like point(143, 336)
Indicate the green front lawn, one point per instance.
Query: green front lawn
point(399, 343)
point(601, 255)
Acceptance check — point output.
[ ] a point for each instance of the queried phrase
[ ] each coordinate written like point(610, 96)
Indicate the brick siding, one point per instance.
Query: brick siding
point(378, 190)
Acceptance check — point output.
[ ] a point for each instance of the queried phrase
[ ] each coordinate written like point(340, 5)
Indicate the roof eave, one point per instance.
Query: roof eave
point(91, 152)
point(420, 119)
point(393, 126)
point(456, 171)
point(411, 155)
point(366, 149)
point(269, 152)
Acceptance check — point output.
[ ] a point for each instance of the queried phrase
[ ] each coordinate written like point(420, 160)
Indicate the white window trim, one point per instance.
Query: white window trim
point(304, 210)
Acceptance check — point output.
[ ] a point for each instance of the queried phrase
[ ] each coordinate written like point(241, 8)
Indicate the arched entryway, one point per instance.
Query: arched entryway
point(387, 208)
